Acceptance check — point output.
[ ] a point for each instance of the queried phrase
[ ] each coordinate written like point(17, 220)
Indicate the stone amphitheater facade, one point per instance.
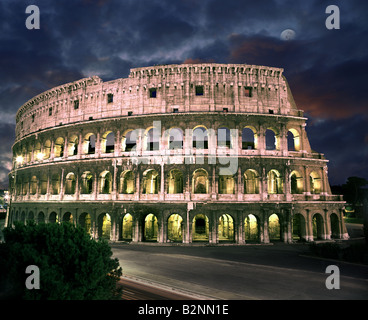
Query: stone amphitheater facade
point(174, 153)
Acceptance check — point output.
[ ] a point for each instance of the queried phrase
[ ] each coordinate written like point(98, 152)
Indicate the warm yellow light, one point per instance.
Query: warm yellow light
point(40, 156)
point(19, 159)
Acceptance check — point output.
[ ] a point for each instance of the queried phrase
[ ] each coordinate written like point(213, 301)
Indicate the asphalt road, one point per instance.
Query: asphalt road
point(260, 272)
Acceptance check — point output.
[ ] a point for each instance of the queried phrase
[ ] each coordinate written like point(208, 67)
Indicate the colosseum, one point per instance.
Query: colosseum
point(174, 154)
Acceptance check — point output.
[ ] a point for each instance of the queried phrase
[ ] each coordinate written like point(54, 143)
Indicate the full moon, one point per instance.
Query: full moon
point(287, 35)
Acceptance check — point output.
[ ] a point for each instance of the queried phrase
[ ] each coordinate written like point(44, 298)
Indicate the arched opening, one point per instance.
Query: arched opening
point(108, 142)
point(43, 184)
point(127, 227)
point(335, 226)
point(299, 227)
point(175, 182)
point(274, 182)
point(129, 140)
point(293, 140)
point(200, 228)
point(33, 186)
point(37, 153)
point(271, 140)
point(174, 228)
point(251, 182)
point(127, 182)
point(226, 184)
point(296, 182)
point(318, 229)
point(73, 145)
point(30, 216)
point(53, 218)
point(89, 143)
point(249, 138)
point(47, 149)
point(274, 230)
point(150, 182)
point(224, 137)
point(70, 183)
point(152, 140)
point(104, 226)
point(315, 183)
point(105, 182)
point(25, 185)
point(175, 139)
point(68, 217)
point(59, 147)
point(23, 217)
point(87, 183)
point(200, 138)
point(85, 222)
point(251, 230)
point(200, 181)
point(150, 228)
point(41, 217)
point(226, 228)
point(55, 183)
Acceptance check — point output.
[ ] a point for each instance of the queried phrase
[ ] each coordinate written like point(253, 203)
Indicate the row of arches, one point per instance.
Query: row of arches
point(175, 182)
point(151, 139)
point(148, 227)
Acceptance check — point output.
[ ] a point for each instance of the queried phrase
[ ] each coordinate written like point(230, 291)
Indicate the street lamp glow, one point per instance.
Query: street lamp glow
point(19, 159)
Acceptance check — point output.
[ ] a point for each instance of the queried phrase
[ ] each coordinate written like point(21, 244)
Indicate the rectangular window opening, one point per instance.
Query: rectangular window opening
point(76, 104)
point(199, 90)
point(248, 92)
point(50, 111)
point(110, 98)
point(153, 93)
point(175, 110)
point(270, 111)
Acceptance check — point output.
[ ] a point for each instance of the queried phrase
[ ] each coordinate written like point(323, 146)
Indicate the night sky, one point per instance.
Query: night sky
point(326, 69)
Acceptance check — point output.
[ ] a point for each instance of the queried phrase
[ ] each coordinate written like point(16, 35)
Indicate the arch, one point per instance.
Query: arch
point(200, 228)
point(104, 226)
point(108, 142)
point(30, 216)
point(152, 139)
point(251, 228)
point(200, 137)
point(175, 227)
point(33, 186)
point(274, 182)
point(59, 147)
point(68, 217)
point(85, 222)
point(299, 227)
point(37, 152)
point(87, 183)
point(70, 183)
point(41, 217)
point(315, 183)
point(150, 228)
point(200, 181)
point(175, 181)
point(335, 226)
point(127, 182)
point(293, 140)
point(43, 184)
point(105, 182)
point(73, 145)
point(89, 143)
point(55, 183)
point(127, 227)
point(274, 229)
point(23, 217)
point(296, 182)
point(47, 149)
point(318, 227)
point(271, 139)
point(226, 184)
point(53, 218)
point(249, 138)
point(251, 182)
point(224, 137)
point(151, 183)
point(226, 228)
point(175, 139)
point(129, 140)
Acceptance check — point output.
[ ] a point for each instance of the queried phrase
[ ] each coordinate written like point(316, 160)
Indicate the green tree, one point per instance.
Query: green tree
point(71, 264)
point(353, 190)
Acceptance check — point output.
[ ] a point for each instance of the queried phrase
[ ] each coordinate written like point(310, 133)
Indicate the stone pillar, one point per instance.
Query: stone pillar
point(266, 237)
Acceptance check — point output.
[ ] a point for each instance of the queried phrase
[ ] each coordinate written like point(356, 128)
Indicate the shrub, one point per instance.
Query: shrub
point(71, 264)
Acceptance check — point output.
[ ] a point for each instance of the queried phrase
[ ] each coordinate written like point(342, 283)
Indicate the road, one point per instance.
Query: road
point(254, 272)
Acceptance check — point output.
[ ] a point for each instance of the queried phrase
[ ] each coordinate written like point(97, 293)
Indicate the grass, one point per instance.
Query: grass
point(353, 220)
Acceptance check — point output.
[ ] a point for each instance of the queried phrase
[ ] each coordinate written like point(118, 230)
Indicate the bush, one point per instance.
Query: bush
point(71, 264)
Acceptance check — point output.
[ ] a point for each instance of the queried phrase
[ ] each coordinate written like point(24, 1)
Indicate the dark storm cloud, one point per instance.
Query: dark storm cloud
point(79, 38)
